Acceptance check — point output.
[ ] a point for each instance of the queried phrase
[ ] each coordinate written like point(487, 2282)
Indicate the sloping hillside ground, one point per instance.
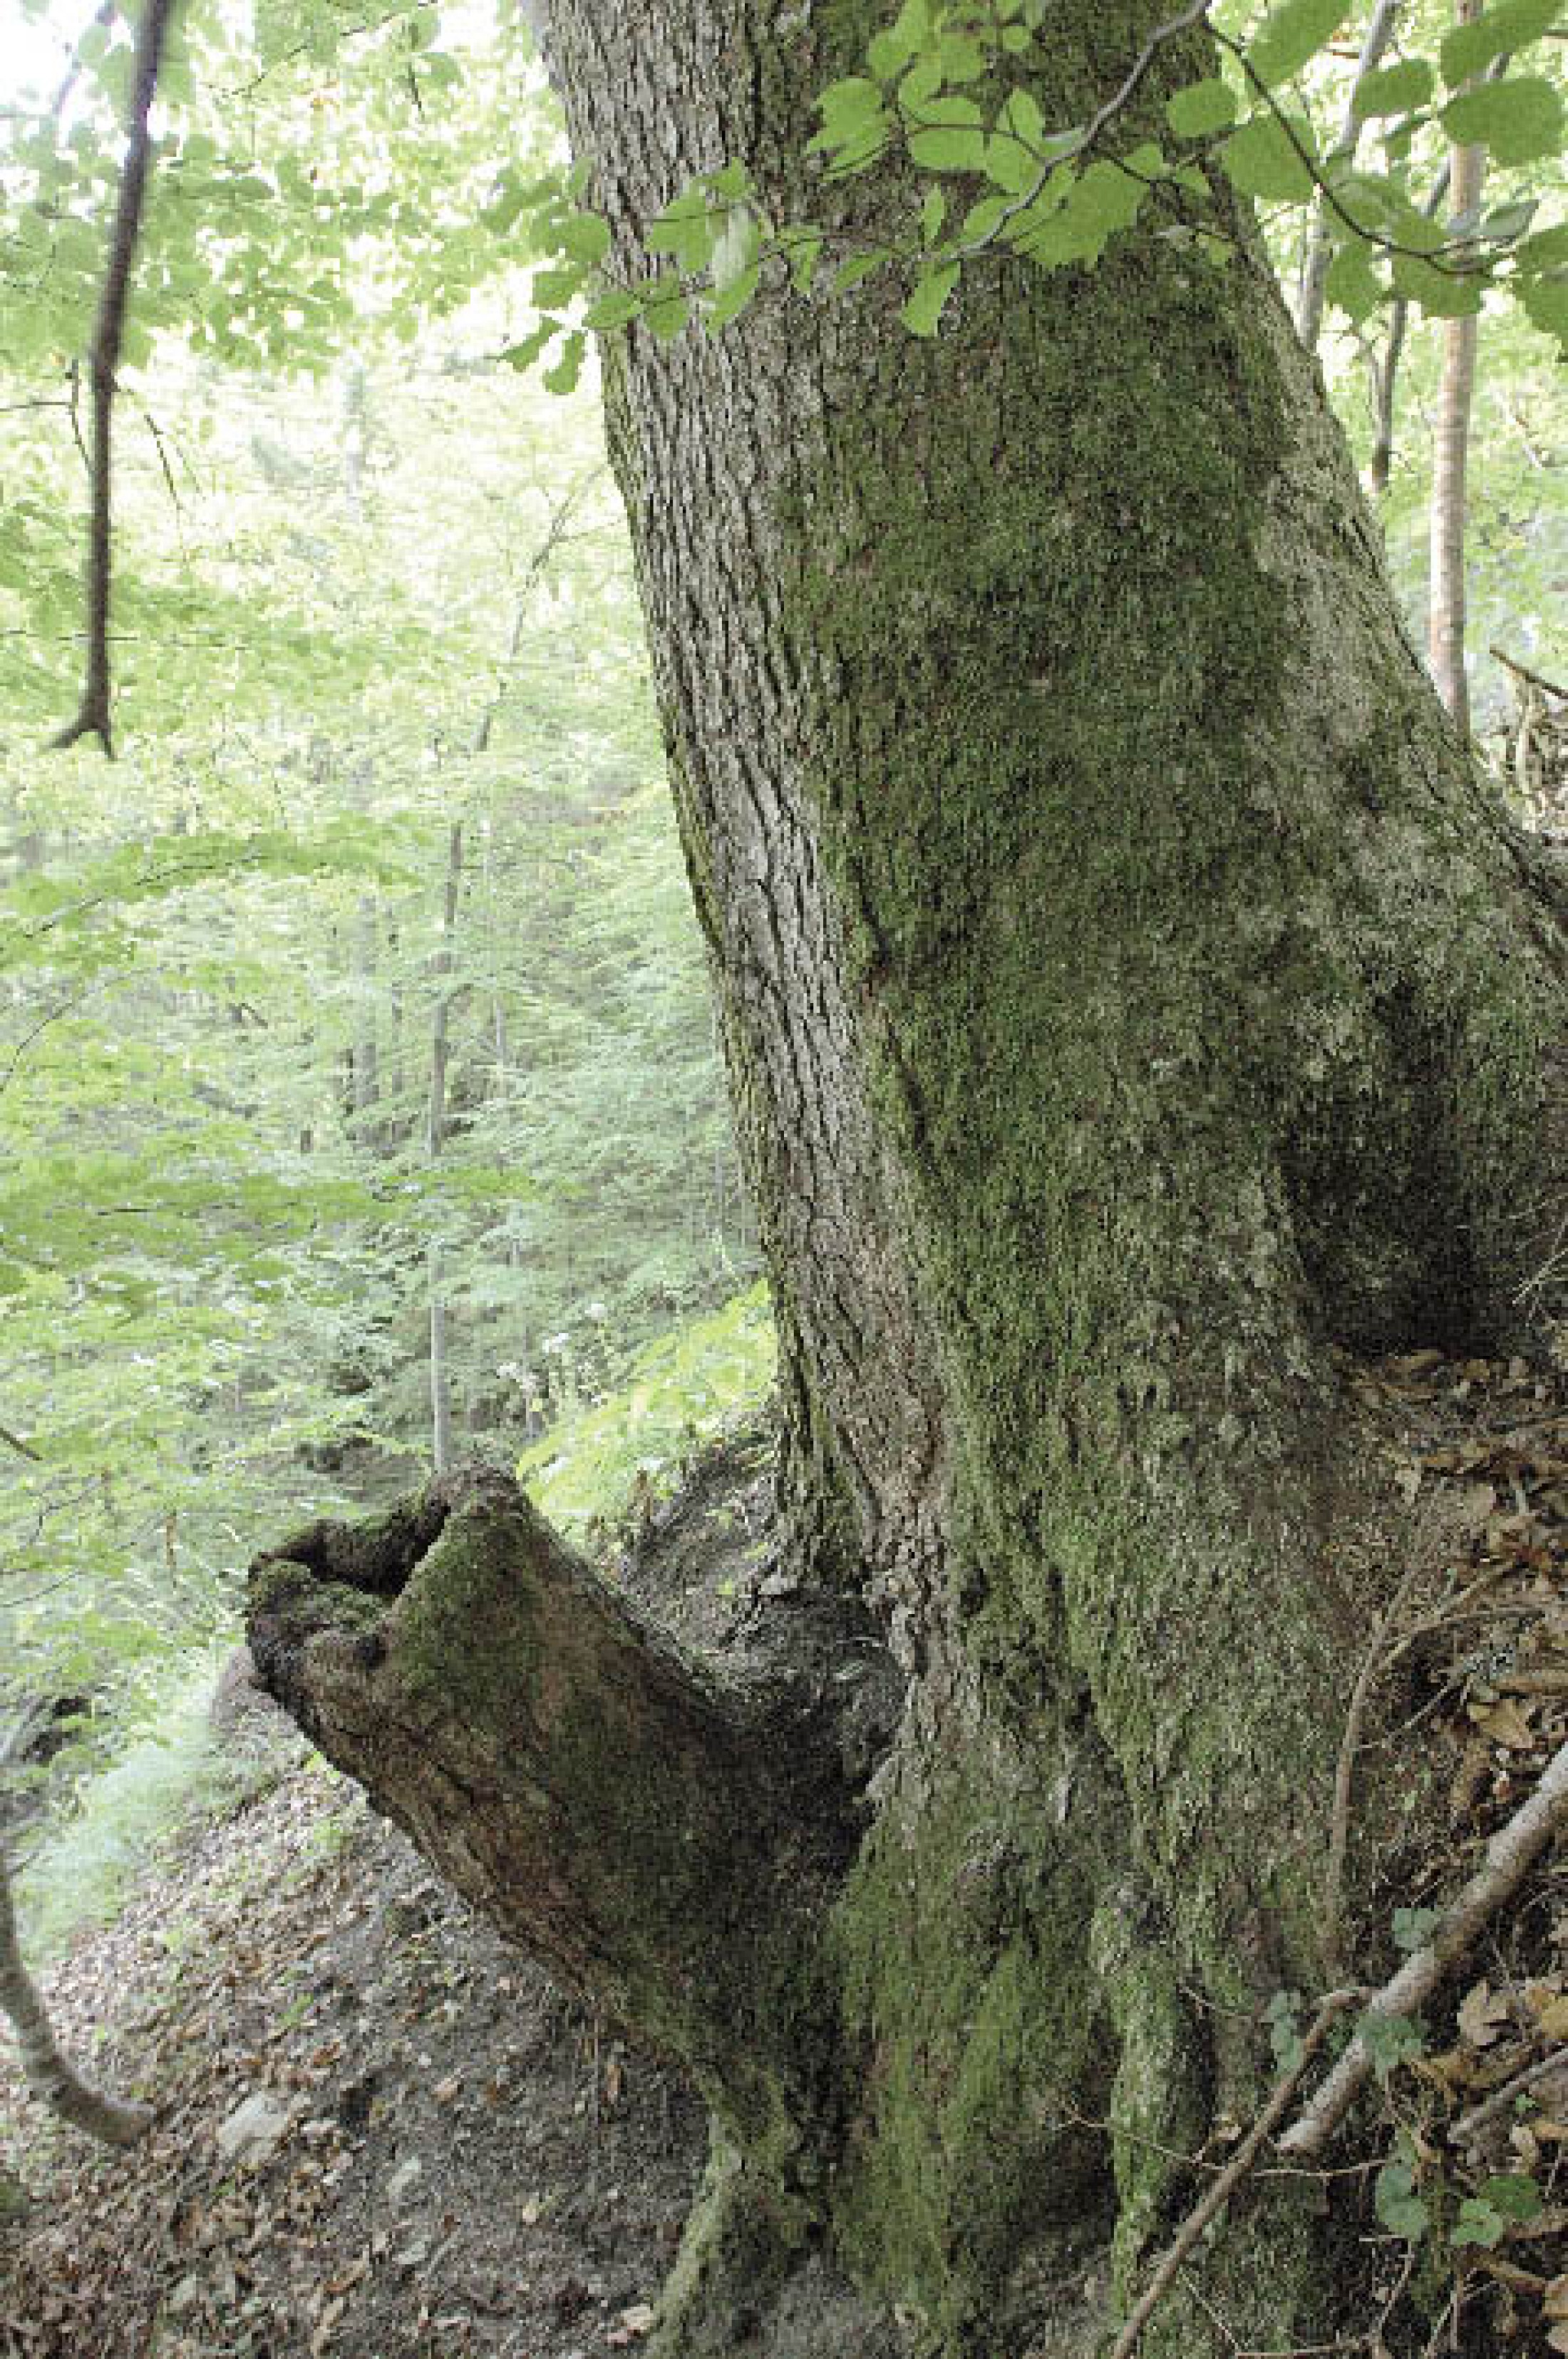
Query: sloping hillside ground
point(384, 2136)
point(446, 2156)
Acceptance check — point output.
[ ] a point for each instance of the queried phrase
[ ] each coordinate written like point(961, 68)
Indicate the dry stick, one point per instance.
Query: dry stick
point(1216, 2197)
point(1501, 2099)
point(92, 719)
point(1510, 1854)
point(1551, 688)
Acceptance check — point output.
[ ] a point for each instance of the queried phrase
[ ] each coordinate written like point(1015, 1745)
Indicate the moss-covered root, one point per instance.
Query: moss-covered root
point(750, 2282)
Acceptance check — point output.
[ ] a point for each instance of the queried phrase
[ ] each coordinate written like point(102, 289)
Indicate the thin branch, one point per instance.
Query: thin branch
point(1216, 2197)
point(92, 719)
point(1551, 688)
point(1462, 246)
point(1510, 1854)
point(1189, 17)
point(102, 19)
point(23, 1448)
point(1501, 2100)
point(1314, 269)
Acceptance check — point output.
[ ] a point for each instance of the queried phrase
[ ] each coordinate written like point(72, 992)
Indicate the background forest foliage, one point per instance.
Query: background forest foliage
point(364, 984)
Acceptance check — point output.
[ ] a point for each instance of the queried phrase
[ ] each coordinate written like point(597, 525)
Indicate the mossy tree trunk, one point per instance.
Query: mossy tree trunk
point(1134, 1002)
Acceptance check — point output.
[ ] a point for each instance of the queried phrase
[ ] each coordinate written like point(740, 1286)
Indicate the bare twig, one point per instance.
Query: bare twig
point(1500, 2100)
point(1510, 1854)
point(92, 719)
point(1523, 672)
point(23, 1448)
point(102, 17)
point(1216, 2197)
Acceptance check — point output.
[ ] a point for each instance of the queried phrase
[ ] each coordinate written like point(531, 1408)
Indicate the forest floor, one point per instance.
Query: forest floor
point(446, 2156)
point(383, 2135)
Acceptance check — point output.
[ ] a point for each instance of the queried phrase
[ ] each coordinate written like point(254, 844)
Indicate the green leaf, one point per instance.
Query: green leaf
point(887, 55)
point(922, 312)
point(849, 102)
point(1513, 24)
point(735, 248)
point(1290, 35)
point(730, 180)
point(666, 312)
point(803, 248)
point(891, 50)
point(1413, 1927)
point(731, 299)
point(949, 150)
point(1202, 108)
point(1396, 2205)
point(585, 237)
point(1261, 160)
point(962, 58)
point(1284, 2029)
point(1020, 118)
point(1520, 119)
point(556, 287)
point(1390, 2041)
point(1010, 164)
point(981, 219)
point(1094, 206)
point(524, 356)
point(1507, 224)
point(1398, 89)
point(1514, 2194)
point(1353, 284)
point(859, 266)
point(1545, 302)
point(1547, 250)
point(853, 117)
point(614, 310)
point(949, 137)
point(686, 229)
point(933, 212)
point(1478, 2224)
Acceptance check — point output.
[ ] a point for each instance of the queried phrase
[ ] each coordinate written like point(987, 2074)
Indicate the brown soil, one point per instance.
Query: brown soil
point(473, 2162)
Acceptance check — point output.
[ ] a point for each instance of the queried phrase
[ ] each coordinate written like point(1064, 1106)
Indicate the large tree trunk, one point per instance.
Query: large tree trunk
point(1133, 1000)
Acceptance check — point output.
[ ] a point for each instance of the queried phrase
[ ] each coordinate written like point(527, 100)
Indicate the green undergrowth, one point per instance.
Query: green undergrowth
point(684, 1390)
point(163, 1772)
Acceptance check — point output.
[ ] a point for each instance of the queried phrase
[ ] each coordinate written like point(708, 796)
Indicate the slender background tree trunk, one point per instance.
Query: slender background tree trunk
point(1320, 242)
point(1451, 451)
